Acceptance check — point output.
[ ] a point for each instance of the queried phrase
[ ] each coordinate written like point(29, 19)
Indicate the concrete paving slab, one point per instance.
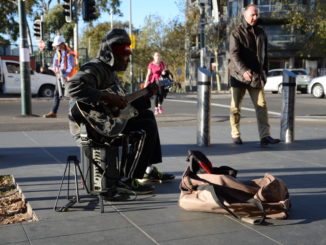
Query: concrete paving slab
point(12, 234)
point(125, 236)
point(37, 161)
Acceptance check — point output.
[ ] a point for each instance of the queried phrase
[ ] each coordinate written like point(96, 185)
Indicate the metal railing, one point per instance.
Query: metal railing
point(277, 7)
point(285, 38)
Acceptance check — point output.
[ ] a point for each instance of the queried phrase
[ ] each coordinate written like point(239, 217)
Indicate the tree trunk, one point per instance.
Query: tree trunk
point(218, 81)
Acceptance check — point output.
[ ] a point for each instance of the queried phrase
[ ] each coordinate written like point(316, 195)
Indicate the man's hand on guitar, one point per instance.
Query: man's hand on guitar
point(115, 100)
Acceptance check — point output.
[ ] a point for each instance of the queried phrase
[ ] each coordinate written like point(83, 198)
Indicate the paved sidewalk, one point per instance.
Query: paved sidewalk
point(37, 160)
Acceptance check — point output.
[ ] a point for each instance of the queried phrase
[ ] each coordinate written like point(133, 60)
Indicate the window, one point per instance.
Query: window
point(299, 72)
point(274, 73)
point(12, 67)
point(233, 9)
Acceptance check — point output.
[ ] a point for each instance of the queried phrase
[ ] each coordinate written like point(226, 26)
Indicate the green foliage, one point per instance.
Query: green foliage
point(310, 20)
point(107, 5)
point(93, 36)
point(167, 39)
point(55, 24)
point(54, 18)
point(155, 36)
point(9, 18)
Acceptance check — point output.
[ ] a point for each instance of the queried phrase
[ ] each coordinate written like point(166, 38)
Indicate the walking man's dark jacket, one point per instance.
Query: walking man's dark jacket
point(248, 51)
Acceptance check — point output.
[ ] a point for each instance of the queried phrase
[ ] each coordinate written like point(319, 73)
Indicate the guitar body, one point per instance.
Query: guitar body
point(99, 119)
point(108, 121)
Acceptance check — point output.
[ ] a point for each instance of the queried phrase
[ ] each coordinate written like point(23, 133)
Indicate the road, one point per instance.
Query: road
point(180, 110)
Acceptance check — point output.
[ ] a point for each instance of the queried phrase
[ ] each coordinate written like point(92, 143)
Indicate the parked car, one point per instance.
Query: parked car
point(317, 87)
point(10, 83)
point(275, 80)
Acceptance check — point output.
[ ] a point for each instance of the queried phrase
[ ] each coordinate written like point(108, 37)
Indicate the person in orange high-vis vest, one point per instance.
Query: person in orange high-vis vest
point(64, 64)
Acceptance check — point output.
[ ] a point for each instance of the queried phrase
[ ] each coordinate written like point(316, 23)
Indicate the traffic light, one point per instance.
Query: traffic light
point(67, 6)
point(38, 30)
point(89, 10)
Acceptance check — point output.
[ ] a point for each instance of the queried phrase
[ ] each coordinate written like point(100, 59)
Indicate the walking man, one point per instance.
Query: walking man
point(248, 69)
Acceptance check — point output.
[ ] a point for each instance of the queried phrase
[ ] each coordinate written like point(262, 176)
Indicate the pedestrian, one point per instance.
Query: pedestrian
point(155, 69)
point(89, 86)
point(64, 66)
point(248, 69)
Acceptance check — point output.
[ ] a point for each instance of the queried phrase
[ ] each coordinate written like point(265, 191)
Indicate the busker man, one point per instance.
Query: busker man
point(99, 74)
point(64, 64)
point(248, 69)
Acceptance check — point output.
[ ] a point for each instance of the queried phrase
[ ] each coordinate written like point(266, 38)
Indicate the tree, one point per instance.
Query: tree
point(8, 15)
point(311, 22)
point(174, 46)
point(55, 23)
point(216, 35)
point(94, 36)
point(149, 40)
point(34, 8)
point(156, 36)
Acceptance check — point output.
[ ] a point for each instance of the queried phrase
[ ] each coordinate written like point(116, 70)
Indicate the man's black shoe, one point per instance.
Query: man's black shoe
point(268, 140)
point(237, 141)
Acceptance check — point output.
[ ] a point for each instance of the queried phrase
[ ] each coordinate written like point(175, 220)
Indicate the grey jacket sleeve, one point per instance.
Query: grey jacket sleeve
point(83, 87)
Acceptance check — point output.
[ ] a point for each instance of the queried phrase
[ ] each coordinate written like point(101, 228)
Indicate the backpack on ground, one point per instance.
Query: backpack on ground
point(209, 189)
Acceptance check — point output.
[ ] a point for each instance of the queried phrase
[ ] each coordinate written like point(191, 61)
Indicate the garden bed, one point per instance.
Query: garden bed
point(13, 206)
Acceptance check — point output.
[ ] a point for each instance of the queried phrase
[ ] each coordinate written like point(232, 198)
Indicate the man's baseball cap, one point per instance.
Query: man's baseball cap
point(58, 40)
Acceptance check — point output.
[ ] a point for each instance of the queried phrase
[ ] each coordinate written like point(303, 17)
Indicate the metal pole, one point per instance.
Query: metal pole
point(288, 104)
point(76, 32)
point(203, 107)
point(111, 15)
point(202, 34)
point(24, 59)
point(42, 51)
point(203, 89)
point(130, 33)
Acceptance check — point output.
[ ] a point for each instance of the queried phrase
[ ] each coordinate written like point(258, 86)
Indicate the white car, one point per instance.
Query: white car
point(275, 80)
point(317, 87)
point(10, 83)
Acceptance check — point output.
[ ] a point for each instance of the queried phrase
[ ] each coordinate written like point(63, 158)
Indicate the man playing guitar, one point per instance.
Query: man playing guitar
point(97, 85)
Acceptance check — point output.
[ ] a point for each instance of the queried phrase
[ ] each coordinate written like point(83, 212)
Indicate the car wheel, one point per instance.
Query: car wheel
point(280, 88)
point(318, 91)
point(46, 91)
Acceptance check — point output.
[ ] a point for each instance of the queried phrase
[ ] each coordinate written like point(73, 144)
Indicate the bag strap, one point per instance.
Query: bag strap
point(214, 189)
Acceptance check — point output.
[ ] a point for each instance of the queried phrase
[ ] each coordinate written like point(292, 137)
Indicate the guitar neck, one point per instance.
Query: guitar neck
point(131, 97)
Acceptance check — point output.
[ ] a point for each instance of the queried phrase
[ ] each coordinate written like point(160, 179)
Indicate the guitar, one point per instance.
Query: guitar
point(110, 121)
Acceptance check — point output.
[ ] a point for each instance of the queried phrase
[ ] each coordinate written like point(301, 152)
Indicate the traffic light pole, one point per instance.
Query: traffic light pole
point(42, 51)
point(24, 59)
point(203, 88)
point(130, 33)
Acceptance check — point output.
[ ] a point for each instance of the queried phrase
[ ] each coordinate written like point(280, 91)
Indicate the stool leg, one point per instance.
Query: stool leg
point(100, 199)
point(76, 183)
point(83, 179)
point(68, 178)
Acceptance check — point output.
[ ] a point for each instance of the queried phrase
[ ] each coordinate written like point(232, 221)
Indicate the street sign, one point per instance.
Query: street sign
point(41, 44)
point(133, 41)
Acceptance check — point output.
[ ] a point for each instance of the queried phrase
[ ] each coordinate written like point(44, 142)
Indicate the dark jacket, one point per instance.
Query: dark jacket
point(248, 51)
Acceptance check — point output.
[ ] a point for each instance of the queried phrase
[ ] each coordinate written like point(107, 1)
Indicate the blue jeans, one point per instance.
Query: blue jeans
point(56, 101)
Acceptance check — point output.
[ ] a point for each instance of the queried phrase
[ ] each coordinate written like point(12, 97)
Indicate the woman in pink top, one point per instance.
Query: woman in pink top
point(155, 69)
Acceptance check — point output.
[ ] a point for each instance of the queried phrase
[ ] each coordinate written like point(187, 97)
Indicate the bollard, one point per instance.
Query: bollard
point(203, 106)
point(288, 102)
